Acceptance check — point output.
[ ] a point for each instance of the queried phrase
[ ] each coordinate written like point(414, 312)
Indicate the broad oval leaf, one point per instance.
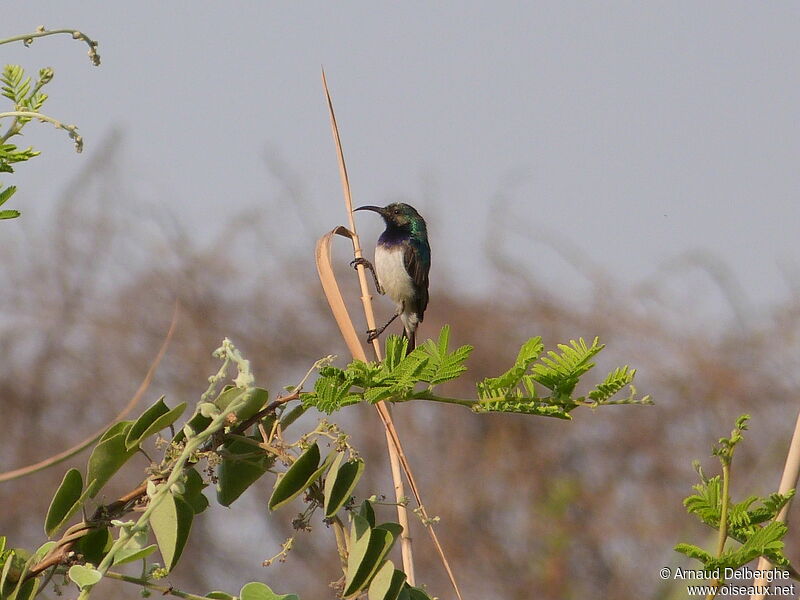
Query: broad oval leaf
point(360, 534)
point(367, 512)
point(95, 545)
point(65, 501)
point(330, 480)
point(171, 521)
point(236, 474)
point(387, 583)
point(153, 420)
point(78, 504)
point(193, 491)
point(139, 540)
point(194, 483)
point(255, 590)
point(127, 555)
point(219, 596)
point(43, 551)
point(84, 576)
point(144, 421)
point(288, 418)
point(394, 528)
point(359, 576)
point(119, 427)
point(6, 568)
point(414, 593)
point(340, 483)
point(198, 423)
point(296, 479)
point(106, 459)
point(256, 399)
point(28, 590)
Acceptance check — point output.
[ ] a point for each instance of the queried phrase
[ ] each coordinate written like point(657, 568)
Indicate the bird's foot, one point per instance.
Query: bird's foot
point(372, 334)
point(361, 261)
point(367, 265)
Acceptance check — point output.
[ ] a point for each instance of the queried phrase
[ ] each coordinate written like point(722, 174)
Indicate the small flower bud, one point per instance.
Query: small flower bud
point(46, 74)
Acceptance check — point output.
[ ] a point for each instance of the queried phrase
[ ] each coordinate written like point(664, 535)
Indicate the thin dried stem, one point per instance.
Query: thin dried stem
point(791, 472)
point(397, 457)
point(366, 300)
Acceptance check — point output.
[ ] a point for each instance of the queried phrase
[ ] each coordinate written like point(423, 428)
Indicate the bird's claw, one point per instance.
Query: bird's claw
point(368, 265)
point(372, 334)
point(360, 261)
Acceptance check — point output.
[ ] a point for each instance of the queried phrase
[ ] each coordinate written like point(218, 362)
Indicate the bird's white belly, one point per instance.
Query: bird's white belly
point(392, 274)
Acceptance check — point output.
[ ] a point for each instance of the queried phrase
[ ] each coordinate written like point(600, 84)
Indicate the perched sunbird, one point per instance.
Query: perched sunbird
point(402, 262)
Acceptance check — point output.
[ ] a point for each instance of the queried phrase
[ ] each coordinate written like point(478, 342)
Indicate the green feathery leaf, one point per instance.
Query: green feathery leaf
point(331, 391)
point(693, 551)
point(15, 85)
point(561, 372)
point(524, 406)
point(706, 502)
point(613, 383)
point(442, 364)
point(529, 352)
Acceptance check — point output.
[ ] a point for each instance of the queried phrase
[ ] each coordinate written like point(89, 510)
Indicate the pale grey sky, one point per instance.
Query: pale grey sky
point(635, 130)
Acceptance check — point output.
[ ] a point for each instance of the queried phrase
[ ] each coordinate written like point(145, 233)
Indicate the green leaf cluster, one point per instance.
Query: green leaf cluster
point(16, 86)
point(726, 445)
point(240, 435)
point(308, 470)
point(535, 384)
point(27, 97)
point(5, 194)
point(750, 523)
point(368, 569)
point(545, 384)
point(395, 379)
point(15, 564)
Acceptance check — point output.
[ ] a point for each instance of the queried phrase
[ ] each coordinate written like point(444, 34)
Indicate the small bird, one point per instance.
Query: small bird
point(402, 263)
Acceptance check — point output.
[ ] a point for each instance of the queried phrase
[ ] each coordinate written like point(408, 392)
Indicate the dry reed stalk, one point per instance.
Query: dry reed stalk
point(342, 317)
point(80, 446)
point(791, 472)
point(330, 286)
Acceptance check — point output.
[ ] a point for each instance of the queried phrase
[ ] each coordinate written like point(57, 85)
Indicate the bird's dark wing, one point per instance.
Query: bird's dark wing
point(417, 260)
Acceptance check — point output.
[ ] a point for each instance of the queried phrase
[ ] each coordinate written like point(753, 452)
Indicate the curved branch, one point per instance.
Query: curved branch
point(28, 38)
point(72, 130)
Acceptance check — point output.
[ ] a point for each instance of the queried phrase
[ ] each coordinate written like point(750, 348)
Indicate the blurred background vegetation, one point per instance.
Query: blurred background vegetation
point(529, 507)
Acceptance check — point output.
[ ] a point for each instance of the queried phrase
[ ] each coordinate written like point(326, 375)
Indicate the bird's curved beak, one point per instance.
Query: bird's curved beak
point(376, 209)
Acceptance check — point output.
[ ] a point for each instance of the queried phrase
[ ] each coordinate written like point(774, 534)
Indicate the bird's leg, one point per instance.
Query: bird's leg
point(368, 265)
point(374, 333)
